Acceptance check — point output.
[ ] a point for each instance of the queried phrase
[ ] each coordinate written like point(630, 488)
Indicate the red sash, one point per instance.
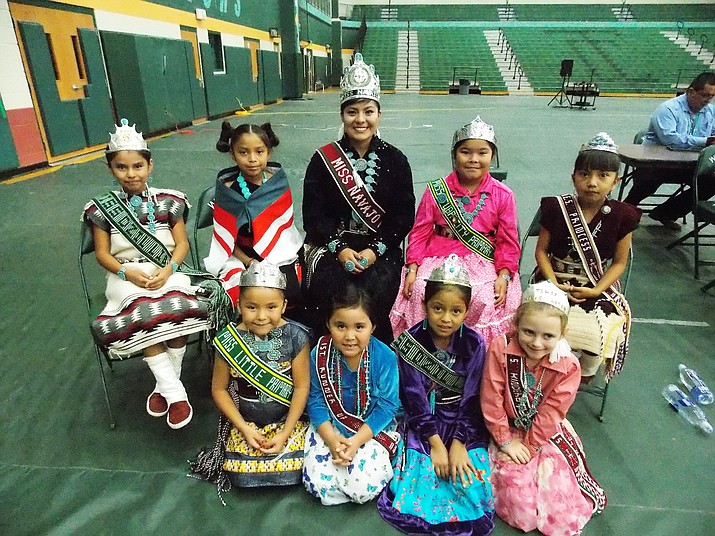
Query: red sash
point(332, 397)
point(351, 186)
point(591, 260)
point(590, 488)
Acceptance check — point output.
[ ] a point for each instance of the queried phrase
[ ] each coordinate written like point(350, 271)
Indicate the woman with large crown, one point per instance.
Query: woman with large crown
point(358, 205)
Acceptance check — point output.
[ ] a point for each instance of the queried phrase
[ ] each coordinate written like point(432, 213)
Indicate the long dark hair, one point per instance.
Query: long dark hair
point(229, 135)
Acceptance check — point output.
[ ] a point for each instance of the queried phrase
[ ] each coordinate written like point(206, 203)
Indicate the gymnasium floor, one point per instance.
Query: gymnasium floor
point(63, 471)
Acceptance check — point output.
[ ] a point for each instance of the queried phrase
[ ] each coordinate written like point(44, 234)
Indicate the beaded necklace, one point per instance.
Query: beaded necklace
point(135, 201)
point(463, 200)
point(268, 347)
point(244, 187)
point(527, 410)
point(362, 399)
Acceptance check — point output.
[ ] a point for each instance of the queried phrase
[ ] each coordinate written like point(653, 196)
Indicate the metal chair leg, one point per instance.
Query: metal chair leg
point(603, 402)
point(112, 420)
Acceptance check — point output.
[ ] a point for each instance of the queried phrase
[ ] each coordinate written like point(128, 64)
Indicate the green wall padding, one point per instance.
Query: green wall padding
point(122, 62)
point(96, 107)
point(270, 74)
point(225, 90)
point(8, 154)
point(61, 119)
point(198, 98)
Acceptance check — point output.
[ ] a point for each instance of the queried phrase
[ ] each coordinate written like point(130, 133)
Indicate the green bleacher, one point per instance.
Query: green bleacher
point(380, 50)
point(427, 13)
point(441, 49)
point(565, 12)
point(628, 60)
point(673, 12)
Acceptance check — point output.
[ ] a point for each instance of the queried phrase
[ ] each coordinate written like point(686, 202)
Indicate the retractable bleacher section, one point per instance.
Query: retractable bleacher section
point(441, 49)
point(631, 57)
point(380, 50)
point(628, 60)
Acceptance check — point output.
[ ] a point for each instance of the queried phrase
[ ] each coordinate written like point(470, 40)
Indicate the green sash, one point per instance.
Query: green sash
point(239, 356)
point(220, 306)
point(417, 355)
point(467, 235)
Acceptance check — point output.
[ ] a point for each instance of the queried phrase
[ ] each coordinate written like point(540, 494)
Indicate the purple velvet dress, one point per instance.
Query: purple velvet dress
point(417, 501)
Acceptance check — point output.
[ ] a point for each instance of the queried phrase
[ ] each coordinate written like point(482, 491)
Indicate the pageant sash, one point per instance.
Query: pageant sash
point(417, 355)
point(351, 186)
point(588, 252)
point(516, 381)
point(123, 220)
point(231, 346)
point(467, 235)
point(332, 397)
point(590, 488)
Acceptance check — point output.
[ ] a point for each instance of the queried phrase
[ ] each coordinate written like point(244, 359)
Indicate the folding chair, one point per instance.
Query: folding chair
point(532, 232)
point(496, 172)
point(93, 287)
point(703, 212)
point(204, 218)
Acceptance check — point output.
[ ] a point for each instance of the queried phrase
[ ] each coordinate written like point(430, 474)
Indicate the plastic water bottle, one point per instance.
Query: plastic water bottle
point(698, 390)
point(686, 407)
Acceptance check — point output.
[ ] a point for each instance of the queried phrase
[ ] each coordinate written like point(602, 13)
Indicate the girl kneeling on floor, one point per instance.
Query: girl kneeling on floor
point(539, 472)
point(260, 384)
point(352, 405)
point(441, 483)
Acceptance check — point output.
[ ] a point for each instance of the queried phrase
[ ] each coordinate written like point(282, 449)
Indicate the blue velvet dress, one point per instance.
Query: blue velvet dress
point(417, 501)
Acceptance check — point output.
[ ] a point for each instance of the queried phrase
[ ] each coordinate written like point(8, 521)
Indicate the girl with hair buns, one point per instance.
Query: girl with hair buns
point(358, 205)
point(253, 212)
point(473, 215)
point(539, 473)
point(583, 248)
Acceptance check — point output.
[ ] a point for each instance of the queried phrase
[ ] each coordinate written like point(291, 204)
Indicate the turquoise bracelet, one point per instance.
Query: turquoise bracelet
point(174, 267)
point(122, 274)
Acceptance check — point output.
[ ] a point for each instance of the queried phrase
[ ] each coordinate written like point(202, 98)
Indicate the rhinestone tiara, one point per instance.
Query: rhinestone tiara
point(600, 142)
point(475, 130)
point(451, 272)
point(126, 138)
point(263, 274)
point(359, 81)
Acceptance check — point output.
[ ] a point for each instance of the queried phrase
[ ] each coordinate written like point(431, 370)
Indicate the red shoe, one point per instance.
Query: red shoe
point(179, 414)
point(156, 405)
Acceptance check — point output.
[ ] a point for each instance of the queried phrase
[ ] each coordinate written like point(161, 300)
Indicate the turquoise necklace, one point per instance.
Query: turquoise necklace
point(369, 166)
point(463, 200)
point(135, 201)
point(244, 187)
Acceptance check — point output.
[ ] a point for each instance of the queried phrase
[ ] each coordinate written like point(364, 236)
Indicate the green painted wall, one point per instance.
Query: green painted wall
point(270, 76)
point(315, 29)
point(260, 14)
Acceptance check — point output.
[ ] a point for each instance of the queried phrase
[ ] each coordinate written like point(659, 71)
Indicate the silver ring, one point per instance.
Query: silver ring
point(349, 266)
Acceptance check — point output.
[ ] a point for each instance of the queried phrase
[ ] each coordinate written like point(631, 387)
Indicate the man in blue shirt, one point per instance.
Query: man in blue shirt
point(684, 123)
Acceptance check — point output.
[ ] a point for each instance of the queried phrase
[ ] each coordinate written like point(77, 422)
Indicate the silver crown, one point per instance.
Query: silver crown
point(126, 138)
point(600, 142)
point(263, 274)
point(547, 292)
point(359, 81)
point(475, 130)
point(451, 272)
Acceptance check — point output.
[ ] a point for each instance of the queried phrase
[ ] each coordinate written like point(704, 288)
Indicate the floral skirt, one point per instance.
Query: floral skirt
point(247, 467)
point(359, 482)
point(542, 494)
point(419, 502)
point(489, 321)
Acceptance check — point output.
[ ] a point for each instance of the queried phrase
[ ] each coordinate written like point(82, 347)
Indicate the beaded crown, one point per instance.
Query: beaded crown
point(451, 272)
point(359, 81)
point(475, 130)
point(600, 142)
point(126, 138)
point(263, 274)
point(547, 292)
